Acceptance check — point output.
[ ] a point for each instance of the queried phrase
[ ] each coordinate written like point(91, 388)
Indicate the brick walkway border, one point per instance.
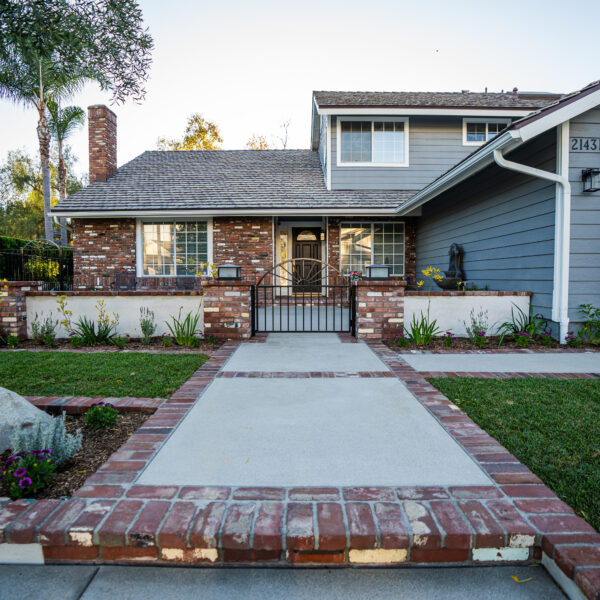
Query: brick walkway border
point(77, 405)
point(507, 375)
point(112, 520)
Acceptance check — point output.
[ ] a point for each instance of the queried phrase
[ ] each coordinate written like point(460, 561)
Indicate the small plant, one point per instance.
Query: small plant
point(25, 473)
point(167, 341)
point(421, 330)
point(401, 340)
point(184, 330)
point(478, 327)
point(521, 322)
point(48, 435)
point(12, 341)
point(211, 339)
point(147, 324)
point(196, 341)
point(77, 341)
point(102, 333)
point(101, 415)
point(545, 339)
point(590, 332)
point(572, 340)
point(120, 342)
point(448, 339)
point(523, 339)
point(44, 331)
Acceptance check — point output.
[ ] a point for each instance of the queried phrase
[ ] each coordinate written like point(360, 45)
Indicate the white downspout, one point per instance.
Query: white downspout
point(59, 224)
point(562, 229)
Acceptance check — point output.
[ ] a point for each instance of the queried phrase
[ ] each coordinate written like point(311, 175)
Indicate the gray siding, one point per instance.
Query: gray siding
point(505, 223)
point(584, 272)
point(435, 145)
point(323, 144)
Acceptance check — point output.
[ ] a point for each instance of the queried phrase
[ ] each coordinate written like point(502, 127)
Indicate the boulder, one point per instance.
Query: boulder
point(16, 413)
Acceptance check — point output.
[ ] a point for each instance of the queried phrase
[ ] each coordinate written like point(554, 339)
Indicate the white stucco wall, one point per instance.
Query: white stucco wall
point(127, 307)
point(451, 312)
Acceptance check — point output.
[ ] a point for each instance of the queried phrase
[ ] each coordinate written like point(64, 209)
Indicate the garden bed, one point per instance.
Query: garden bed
point(117, 375)
point(96, 448)
point(493, 343)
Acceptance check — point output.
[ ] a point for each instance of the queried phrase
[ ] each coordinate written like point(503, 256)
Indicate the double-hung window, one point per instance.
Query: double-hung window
point(365, 243)
point(174, 248)
point(478, 131)
point(373, 142)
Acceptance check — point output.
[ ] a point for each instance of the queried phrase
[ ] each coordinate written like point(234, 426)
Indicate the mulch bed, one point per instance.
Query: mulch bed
point(492, 344)
point(134, 345)
point(97, 446)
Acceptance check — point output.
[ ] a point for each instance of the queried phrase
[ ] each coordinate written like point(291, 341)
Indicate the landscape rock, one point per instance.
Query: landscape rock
point(16, 413)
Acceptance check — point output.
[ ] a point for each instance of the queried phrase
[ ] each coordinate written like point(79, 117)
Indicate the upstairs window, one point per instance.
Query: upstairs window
point(478, 131)
point(373, 142)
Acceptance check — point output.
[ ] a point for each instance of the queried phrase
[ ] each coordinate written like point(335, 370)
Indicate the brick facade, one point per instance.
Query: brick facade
point(13, 305)
point(379, 309)
point(246, 242)
point(410, 240)
point(102, 135)
point(102, 247)
point(227, 309)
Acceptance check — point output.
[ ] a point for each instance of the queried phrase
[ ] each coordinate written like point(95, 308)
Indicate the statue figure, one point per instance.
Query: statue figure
point(454, 274)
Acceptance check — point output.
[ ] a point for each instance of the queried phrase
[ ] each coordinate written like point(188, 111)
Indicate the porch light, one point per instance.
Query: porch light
point(378, 271)
point(229, 272)
point(591, 180)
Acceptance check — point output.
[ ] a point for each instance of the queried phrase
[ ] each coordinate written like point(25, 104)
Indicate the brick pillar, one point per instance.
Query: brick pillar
point(227, 306)
point(102, 139)
point(13, 305)
point(379, 308)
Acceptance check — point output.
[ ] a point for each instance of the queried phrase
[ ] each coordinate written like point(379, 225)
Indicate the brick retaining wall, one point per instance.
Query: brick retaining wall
point(379, 308)
point(227, 308)
point(13, 305)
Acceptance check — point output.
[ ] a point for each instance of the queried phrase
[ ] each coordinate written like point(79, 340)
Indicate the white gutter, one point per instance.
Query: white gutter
point(414, 111)
point(562, 228)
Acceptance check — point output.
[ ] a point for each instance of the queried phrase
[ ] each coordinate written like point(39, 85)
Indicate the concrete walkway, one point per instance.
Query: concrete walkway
point(286, 431)
point(146, 583)
point(567, 362)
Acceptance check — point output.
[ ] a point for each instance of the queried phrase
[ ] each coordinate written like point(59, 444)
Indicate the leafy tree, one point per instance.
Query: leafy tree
point(199, 134)
point(257, 142)
point(63, 122)
point(50, 47)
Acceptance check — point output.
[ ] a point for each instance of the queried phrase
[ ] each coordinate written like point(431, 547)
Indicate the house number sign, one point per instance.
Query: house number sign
point(585, 144)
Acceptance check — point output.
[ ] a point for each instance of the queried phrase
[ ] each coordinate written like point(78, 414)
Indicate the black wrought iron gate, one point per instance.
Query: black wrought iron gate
point(303, 295)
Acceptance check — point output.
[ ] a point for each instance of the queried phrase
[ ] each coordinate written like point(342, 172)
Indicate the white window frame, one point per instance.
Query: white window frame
point(373, 223)
point(487, 121)
point(139, 241)
point(373, 120)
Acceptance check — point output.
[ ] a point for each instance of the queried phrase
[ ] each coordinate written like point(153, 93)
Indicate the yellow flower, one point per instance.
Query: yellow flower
point(436, 270)
point(438, 277)
point(419, 284)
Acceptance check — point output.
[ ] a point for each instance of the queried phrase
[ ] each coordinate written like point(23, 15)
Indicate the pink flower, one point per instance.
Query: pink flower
point(20, 472)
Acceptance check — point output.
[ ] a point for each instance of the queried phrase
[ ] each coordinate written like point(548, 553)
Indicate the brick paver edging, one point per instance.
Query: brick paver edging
point(570, 546)
point(507, 375)
point(111, 519)
point(77, 405)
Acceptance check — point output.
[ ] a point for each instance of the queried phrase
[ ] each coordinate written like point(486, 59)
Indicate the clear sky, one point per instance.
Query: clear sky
point(251, 65)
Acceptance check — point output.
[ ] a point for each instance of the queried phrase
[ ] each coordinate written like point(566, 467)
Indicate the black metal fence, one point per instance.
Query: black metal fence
point(39, 261)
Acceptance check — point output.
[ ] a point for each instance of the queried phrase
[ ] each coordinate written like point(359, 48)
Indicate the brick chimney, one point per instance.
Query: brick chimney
point(102, 134)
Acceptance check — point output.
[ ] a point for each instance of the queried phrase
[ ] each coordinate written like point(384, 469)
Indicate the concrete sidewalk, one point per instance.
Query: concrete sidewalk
point(286, 432)
point(146, 583)
point(542, 362)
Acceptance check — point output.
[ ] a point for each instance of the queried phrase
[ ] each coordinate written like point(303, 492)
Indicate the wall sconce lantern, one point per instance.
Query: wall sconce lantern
point(229, 272)
point(378, 271)
point(591, 180)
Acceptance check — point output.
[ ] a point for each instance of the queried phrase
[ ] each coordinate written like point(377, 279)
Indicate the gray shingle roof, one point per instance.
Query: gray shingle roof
point(223, 179)
point(433, 99)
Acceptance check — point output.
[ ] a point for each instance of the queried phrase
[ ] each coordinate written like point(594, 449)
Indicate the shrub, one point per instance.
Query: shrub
point(478, 327)
point(545, 339)
point(120, 342)
point(401, 341)
point(147, 324)
point(480, 339)
point(44, 331)
point(12, 341)
point(102, 333)
point(573, 341)
point(590, 332)
point(449, 339)
point(184, 330)
point(167, 341)
point(44, 435)
point(77, 341)
point(523, 339)
point(101, 415)
point(421, 330)
point(25, 473)
point(522, 322)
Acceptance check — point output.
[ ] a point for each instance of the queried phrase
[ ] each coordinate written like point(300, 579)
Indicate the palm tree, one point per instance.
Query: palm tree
point(62, 123)
point(32, 80)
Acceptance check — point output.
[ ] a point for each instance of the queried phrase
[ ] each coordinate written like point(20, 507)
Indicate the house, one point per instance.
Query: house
point(391, 178)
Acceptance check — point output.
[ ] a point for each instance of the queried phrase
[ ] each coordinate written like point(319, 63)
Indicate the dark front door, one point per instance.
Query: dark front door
point(307, 244)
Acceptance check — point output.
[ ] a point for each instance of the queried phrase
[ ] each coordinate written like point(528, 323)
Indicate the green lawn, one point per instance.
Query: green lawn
point(552, 426)
point(114, 374)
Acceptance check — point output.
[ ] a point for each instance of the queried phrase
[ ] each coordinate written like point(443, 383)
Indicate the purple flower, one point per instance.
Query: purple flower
point(25, 482)
point(21, 454)
point(20, 472)
point(449, 333)
point(481, 334)
point(12, 459)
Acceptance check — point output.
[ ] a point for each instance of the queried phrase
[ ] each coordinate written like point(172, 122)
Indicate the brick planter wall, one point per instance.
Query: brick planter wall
point(227, 309)
point(246, 242)
point(102, 247)
point(379, 308)
point(13, 306)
